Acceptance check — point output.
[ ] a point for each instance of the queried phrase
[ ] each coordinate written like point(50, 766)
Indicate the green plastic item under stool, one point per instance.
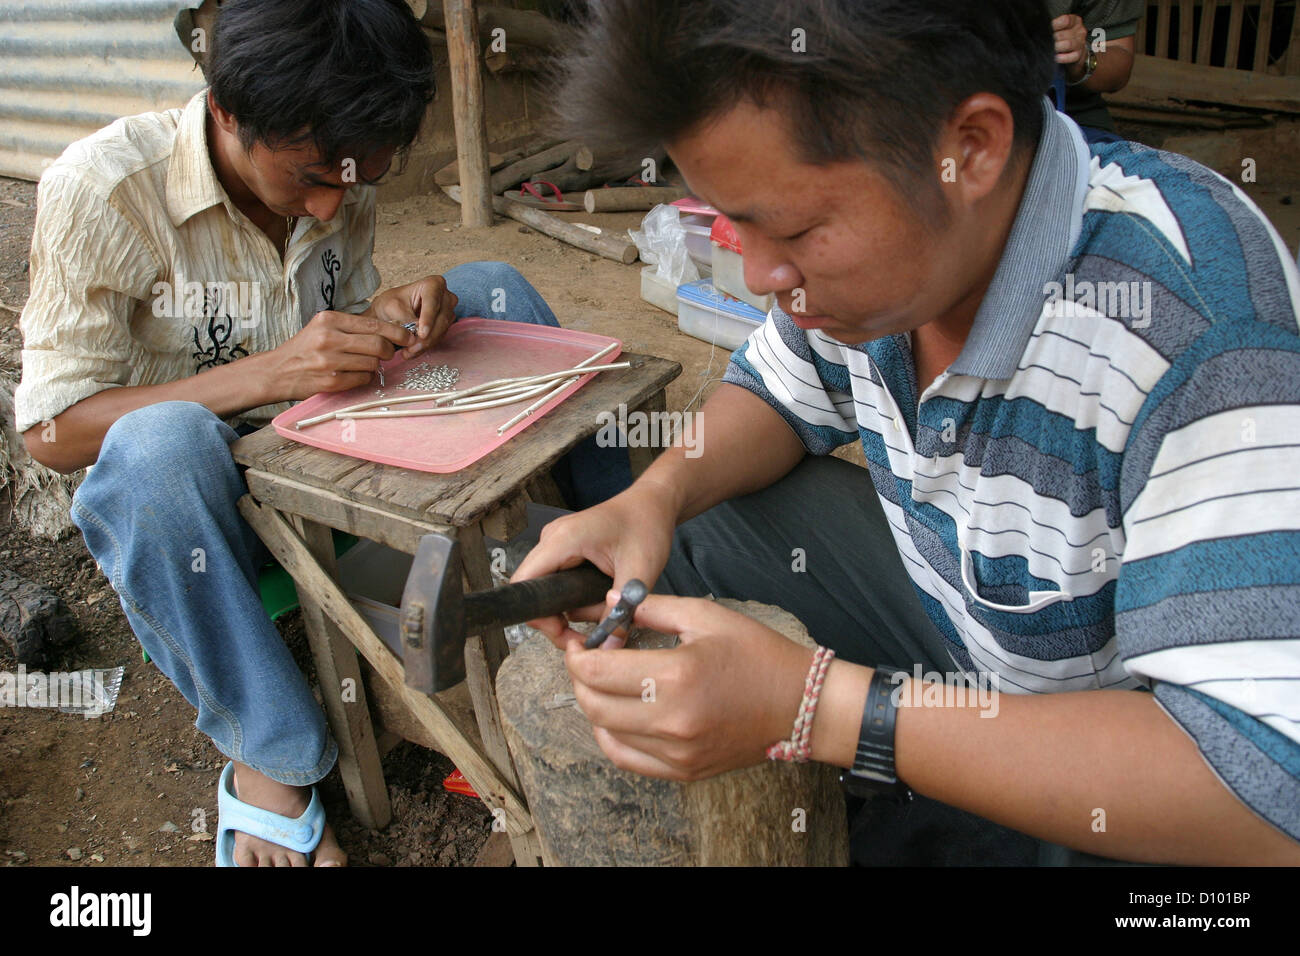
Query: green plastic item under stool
point(279, 596)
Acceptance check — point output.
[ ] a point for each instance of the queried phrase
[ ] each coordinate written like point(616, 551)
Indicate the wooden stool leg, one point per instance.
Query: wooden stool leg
point(483, 655)
point(339, 672)
point(643, 457)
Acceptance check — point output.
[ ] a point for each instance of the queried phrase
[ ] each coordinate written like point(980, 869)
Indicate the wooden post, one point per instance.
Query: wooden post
point(467, 109)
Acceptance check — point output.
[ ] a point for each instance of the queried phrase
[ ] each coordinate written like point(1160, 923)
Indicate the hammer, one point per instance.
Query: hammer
point(437, 614)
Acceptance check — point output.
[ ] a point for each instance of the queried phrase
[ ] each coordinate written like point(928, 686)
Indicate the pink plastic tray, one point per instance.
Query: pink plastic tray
point(483, 349)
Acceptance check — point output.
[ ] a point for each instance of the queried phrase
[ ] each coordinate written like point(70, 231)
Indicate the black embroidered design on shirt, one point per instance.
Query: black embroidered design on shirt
point(332, 266)
point(219, 325)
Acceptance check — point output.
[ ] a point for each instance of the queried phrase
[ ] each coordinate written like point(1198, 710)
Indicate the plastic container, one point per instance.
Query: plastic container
point(706, 313)
point(658, 292)
point(697, 219)
point(729, 265)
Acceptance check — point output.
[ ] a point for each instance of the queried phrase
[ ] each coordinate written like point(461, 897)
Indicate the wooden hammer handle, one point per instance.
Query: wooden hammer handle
point(540, 597)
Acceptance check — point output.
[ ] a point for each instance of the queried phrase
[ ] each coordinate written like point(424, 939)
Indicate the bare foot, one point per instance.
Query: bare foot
point(259, 790)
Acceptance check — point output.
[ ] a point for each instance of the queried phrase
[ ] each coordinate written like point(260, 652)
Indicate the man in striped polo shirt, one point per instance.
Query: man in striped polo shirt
point(1075, 375)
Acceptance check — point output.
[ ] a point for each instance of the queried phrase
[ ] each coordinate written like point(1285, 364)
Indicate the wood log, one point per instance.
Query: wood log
point(571, 177)
point(620, 249)
point(631, 198)
point(521, 59)
point(517, 172)
point(34, 621)
point(467, 111)
point(524, 27)
point(449, 175)
point(589, 813)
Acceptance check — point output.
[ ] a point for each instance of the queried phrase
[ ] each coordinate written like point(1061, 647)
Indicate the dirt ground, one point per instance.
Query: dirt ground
point(131, 787)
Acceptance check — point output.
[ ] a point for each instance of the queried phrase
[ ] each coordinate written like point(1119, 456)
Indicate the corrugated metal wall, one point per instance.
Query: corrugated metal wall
point(69, 67)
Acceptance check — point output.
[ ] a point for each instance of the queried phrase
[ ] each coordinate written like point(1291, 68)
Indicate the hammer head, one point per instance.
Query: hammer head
point(432, 623)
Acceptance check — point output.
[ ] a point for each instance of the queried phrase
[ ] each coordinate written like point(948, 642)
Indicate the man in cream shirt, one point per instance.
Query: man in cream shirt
point(193, 272)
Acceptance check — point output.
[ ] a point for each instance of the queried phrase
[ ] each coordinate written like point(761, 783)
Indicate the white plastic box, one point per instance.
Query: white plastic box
point(706, 313)
point(657, 291)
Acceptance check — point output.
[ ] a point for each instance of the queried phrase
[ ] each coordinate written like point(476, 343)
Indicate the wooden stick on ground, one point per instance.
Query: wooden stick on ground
point(620, 249)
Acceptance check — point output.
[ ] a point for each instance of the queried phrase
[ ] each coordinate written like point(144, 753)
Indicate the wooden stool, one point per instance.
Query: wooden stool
point(298, 493)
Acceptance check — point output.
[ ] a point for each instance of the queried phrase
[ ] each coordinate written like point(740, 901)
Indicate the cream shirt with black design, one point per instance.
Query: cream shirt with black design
point(143, 272)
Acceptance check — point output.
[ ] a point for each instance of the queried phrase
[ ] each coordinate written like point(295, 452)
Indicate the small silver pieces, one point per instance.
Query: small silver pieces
point(430, 378)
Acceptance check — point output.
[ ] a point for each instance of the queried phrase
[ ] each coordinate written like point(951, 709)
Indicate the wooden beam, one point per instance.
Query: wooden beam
point(328, 508)
point(1206, 43)
point(467, 111)
point(1186, 18)
point(1263, 39)
point(1159, 83)
point(1292, 62)
point(1164, 19)
point(1232, 57)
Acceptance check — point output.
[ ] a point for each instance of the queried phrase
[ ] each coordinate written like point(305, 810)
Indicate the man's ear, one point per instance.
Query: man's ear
point(976, 147)
point(225, 120)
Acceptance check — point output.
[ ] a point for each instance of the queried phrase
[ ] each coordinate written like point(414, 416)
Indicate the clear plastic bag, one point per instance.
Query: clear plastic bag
point(661, 240)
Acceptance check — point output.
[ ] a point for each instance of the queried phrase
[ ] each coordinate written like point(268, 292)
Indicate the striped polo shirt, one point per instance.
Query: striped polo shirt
point(1103, 491)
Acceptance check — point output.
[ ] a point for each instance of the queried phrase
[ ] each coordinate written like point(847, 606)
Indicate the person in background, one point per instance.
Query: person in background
point(1088, 70)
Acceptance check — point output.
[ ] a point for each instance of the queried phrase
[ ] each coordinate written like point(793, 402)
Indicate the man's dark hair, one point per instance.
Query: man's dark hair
point(875, 80)
point(350, 76)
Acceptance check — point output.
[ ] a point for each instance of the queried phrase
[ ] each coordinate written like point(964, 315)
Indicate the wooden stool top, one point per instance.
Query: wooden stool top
point(466, 496)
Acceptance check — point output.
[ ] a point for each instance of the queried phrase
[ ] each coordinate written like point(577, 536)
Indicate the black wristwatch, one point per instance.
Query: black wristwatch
point(873, 772)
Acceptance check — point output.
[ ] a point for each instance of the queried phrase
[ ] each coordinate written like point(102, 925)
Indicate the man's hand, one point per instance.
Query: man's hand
point(335, 351)
point(714, 703)
point(629, 536)
point(1071, 45)
point(427, 302)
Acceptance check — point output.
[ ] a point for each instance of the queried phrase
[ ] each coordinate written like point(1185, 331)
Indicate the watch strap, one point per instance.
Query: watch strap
point(873, 765)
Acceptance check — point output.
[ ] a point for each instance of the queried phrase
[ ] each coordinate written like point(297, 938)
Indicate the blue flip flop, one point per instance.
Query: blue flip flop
point(301, 835)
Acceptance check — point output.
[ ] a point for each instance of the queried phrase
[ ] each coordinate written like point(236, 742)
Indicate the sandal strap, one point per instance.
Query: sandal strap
point(301, 834)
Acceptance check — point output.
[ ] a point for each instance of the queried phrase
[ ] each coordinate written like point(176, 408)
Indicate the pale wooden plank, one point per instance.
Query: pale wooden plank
point(1206, 42)
point(1264, 36)
point(1161, 83)
point(336, 668)
point(1186, 36)
point(1238, 13)
point(1292, 62)
point(1164, 21)
point(354, 517)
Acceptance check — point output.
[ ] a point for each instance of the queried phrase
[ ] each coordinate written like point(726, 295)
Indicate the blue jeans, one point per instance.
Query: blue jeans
point(158, 512)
